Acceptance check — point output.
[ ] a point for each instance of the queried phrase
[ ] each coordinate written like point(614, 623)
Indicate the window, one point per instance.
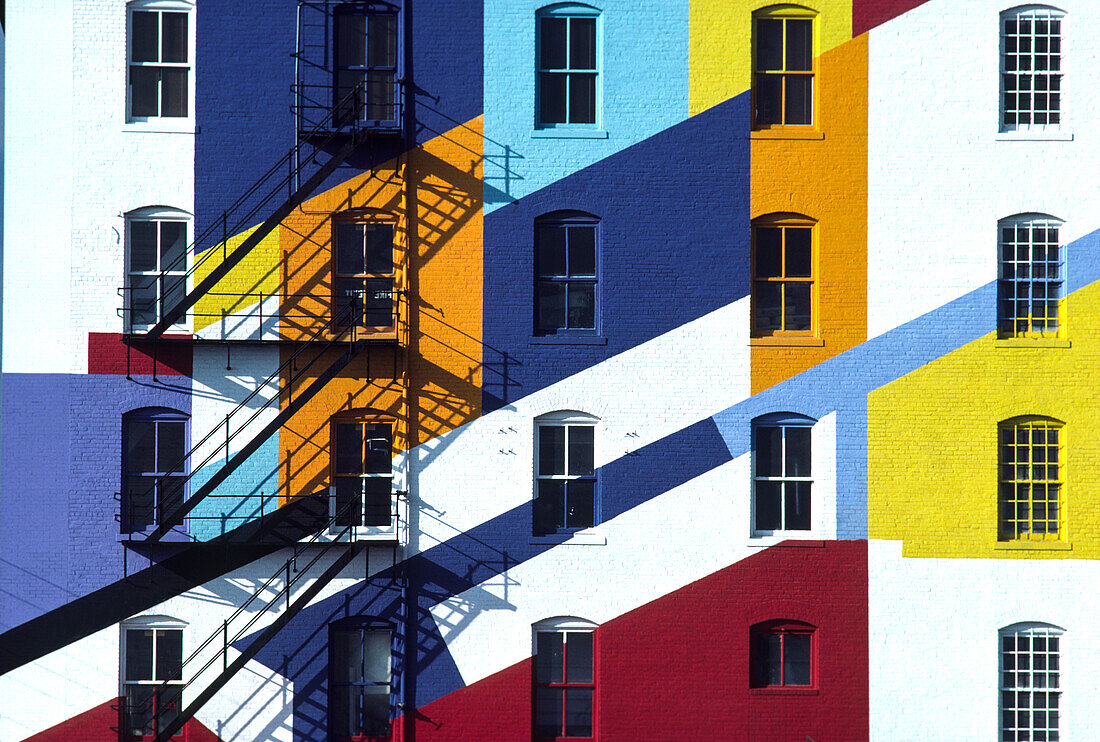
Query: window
point(781, 654)
point(783, 284)
point(565, 267)
point(781, 476)
point(366, 68)
point(1031, 276)
point(565, 679)
point(1031, 483)
point(360, 683)
point(568, 65)
point(1030, 691)
point(565, 496)
point(152, 675)
point(159, 60)
point(362, 472)
point(1031, 68)
point(363, 281)
point(154, 466)
point(156, 264)
point(783, 67)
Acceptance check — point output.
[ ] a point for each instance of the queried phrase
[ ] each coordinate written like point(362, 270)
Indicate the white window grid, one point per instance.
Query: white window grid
point(160, 10)
point(168, 278)
point(1031, 69)
point(1032, 277)
point(569, 426)
point(1030, 684)
point(784, 479)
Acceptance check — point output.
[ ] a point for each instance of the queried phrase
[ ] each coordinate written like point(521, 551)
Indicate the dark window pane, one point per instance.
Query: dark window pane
point(347, 298)
point(551, 449)
point(349, 501)
point(768, 94)
point(144, 42)
point(141, 440)
point(800, 44)
point(549, 506)
point(379, 248)
point(550, 250)
point(580, 503)
point(378, 302)
point(768, 503)
point(797, 306)
point(378, 454)
point(578, 657)
point(551, 306)
point(382, 40)
point(173, 236)
point(550, 657)
point(580, 449)
point(548, 712)
point(552, 43)
point(349, 95)
point(582, 305)
point(769, 252)
point(377, 501)
point(169, 497)
point(174, 40)
point(348, 448)
point(769, 452)
point(552, 97)
point(375, 702)
point(769, 44)
point(144, 99)
point(172, 290)
point(143, 246)
point(349, 248)
point(798, 252)
point(343, 711)
point(138, 502)
point(169, 654)
point(766, 653)
point(582, 44)
point(139, 654)
point(381, 97)
point(143, 300)
point(174, 82)
point(170, 446)
point(578, 712)
point(582, 99)
point(796, 659)
point(140, 705)
point(582, 251)
point(767, 307)
point(800, 89)
point(351, 40)
point(797, 506)
point(798, 451)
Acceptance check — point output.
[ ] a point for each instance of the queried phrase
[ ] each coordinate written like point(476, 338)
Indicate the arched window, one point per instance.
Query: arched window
point(361, 468)
point(154, 466)
point(781, 654)
point(568, 44)
point(783, 66)
point(367, 62)
point(1031, 691)
point(565, 678)
point(783, 296)
point(1031, 68)
point(152, 674)
point(1031, 491)
point(363, 278)
point(566, 495)
point(161, 45)
point(360, 654)
point(156, 264)
point(1031, 277)
point(782, 476)
point(566, 245)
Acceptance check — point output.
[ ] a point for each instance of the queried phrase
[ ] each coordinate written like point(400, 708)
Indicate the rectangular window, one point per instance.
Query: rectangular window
point(156, 271)
point(154, 469)
point(152, 680)
point(366, 67)
point(1030, 688)
point(1031, 278)
point(565, 263)
point(565, 499)
point(783, 283)
point(1031, 69)
point(359, 697)
point(568, 72)
point(565, 684)
point(783, 80)
point(362, 473)
point(159, 65)
point(782, 481)
point(781, 655)
point(1031, 483)
point(363, 274)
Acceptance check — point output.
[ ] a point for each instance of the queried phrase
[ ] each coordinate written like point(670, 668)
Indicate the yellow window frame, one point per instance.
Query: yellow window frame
point(1024, 446)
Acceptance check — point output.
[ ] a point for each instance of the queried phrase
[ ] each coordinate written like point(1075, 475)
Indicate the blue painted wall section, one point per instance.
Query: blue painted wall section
point(248, 493)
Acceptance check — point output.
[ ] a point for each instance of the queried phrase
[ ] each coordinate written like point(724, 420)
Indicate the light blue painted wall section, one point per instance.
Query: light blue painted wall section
point(246, 494)
point(643, 63)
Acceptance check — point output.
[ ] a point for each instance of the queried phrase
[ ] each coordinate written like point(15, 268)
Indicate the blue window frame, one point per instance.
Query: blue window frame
point(566, 496)
point(566, 296)
point(1031, 277)
point(361, 687)
point(154, 466)
point(782, 479)
point(368, 60)
point(568, 87)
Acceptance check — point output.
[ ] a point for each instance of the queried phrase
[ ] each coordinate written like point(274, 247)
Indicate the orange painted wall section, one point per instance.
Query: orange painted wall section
point(824, 178)
point(436, 204)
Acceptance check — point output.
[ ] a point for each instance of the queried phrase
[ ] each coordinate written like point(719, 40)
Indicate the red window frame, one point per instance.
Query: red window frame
point(563, 686)
point(759, 662)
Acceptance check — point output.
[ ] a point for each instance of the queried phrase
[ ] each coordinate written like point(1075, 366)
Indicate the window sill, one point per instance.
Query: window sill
point(803, 340)
point(160, 127)
point(1035, 136)
point(1034, 545)
point(793, 539)
point(784, 691)
point(569, 134)
point(789, 134)
point(568, 340)
point(1031, 343)
point(582, 538)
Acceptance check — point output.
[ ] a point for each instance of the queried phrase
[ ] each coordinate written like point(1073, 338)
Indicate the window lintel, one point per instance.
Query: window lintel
point(1024, 419)
point(1027, 8)
point(562, 216)
point(568, 9)
point(1029, 626)
point(784, 219)
point(784, 10)
point(781, 624)
point(566, 416)
point(784, 418)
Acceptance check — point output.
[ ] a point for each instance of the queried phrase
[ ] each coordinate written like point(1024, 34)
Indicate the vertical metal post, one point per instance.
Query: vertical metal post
point(225, 645)
point(227, 439)
point(225, 232)
point(287, 588)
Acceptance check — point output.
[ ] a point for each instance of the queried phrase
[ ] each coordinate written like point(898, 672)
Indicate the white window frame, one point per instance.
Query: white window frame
point(1030, 222)
point(148, 623)
point(156, 214)
point(1032, 13)
point(566, 419)
point(393, 531)
point(1009, 682)
point(181, 124)
point(784, 421)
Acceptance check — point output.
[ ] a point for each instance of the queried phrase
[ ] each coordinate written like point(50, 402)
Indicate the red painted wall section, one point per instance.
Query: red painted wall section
point(100, 724)
point(107, 355)
point(677, 669)
point(866, 14)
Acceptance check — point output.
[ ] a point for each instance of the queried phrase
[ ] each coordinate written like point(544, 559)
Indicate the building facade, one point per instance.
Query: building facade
point(453, 370)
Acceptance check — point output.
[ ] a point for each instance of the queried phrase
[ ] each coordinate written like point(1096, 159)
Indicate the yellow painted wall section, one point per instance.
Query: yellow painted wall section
point(932, 448)
point(826, 180)
point(255, 277)
point(439, 227)
point(720, 44)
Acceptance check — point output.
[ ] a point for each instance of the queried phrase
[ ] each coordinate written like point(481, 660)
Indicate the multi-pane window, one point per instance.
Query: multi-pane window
point(565, 684)
point(366, 67)
point(781, 654)
point(1031, 68)
point(782, 480)
point(1032, 277)
point(565, 497)
point(159, 67)
point(362, 473)
point(156, 265)
point(783, 283)
point(363, 280)
point(568, 73)
point(152, 679)
point(1031, 478)
point(360, 683)
point(1030, 688)
point(154, 466)
point(565, 267)
point(783, 70)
